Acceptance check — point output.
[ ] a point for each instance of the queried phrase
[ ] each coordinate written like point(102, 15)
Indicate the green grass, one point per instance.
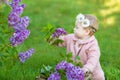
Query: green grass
point(62, 13)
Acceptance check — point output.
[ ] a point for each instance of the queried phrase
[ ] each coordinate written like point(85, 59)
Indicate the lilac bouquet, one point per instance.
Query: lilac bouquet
point(53, 38)
point(52, 34)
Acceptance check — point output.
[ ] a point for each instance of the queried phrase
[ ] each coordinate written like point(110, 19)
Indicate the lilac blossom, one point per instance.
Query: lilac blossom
point(58, 32)
point(25, 55)
point(72, 72)
point(22, 24)
point(18, 24)
point(13, 18)
point(62, 65)
point(19, 36)
point(75, 73)
point(18, 9)
point(14, 3)
point(16, 6)
point(69, 66)
point(54, 76)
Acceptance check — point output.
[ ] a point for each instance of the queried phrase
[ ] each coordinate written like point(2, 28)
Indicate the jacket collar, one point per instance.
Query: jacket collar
point(79, 41)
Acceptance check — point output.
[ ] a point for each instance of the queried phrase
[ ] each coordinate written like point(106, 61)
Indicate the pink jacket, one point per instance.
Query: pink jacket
point(88, 51)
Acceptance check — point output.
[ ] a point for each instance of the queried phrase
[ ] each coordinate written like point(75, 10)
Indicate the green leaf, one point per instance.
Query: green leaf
point(42, 70)
point(77, 57)
point(57, 41)
point(62, 74)
point(70, 60)
point(61, 71)
point(48, 68)
point(79, 64)
point(48, 28)
point(69, 55)
point(61, 55)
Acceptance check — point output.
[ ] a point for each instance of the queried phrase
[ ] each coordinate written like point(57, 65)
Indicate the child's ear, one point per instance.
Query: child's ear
point(87, 31)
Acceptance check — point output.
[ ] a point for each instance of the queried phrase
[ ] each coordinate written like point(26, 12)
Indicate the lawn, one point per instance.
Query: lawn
point(60, 13)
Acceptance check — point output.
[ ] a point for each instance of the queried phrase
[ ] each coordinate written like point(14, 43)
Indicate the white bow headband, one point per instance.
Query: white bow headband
point(81, 18)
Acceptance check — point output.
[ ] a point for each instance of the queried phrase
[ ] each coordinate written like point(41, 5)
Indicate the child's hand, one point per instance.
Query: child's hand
point(87, 74)
point(52, 41)
point(85, 70)
point(55, 41)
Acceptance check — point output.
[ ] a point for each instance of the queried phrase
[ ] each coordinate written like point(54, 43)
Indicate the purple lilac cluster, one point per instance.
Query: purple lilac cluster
point(58, 32)
point(54, 76)
point(63, 65)
point(22, 24)
point(72, 72)
point(16, 11)
point(19, 24)
point(18, 37)
point(25, 55)
point(75, 73)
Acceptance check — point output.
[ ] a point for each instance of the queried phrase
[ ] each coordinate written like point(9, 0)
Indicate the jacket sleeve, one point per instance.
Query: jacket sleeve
point(93, 58)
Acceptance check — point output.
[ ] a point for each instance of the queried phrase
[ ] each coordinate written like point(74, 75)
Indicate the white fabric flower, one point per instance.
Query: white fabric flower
point(80, 17)
point(85, 23)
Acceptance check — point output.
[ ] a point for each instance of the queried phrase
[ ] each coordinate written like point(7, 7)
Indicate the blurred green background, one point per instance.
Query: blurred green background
point(59, 13)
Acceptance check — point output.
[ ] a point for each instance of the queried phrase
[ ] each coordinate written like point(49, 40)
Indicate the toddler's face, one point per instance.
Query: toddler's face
point(79, 31)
